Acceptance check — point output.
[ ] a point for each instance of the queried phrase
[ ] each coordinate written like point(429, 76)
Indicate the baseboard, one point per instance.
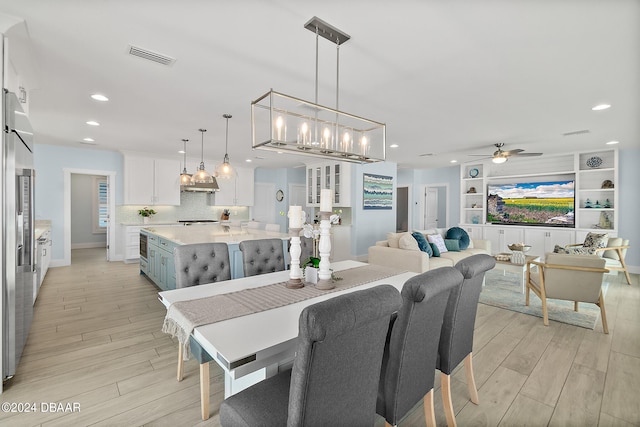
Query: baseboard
point(90, 245)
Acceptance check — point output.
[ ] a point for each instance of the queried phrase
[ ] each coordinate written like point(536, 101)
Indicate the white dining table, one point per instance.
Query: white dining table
point(256, 346)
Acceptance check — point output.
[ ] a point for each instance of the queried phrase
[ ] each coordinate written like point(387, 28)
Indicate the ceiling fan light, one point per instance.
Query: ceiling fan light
point(499, 160)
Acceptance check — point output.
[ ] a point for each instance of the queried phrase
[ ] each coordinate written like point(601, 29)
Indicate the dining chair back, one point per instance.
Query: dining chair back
point(411, 350)
point(262, 256)
point(456, 340)
point(334, 379)
point(201, 263)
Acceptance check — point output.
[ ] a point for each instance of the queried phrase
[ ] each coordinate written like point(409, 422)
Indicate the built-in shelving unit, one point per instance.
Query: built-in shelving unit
point(596, 195)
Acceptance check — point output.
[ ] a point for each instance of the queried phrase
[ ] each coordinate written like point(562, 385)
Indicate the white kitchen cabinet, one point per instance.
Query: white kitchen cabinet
point(149, 181)
point(238, 191)
point(335, 176)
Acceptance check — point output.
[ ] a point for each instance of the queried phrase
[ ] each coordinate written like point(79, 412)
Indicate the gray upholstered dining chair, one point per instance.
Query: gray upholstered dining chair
point(262, 256)
point(456, 340)
point(334, 379)
point(411, 350)
point(198, 264)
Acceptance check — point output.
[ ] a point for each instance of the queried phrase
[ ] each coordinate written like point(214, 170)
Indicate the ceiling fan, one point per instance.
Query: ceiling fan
point(500, 156)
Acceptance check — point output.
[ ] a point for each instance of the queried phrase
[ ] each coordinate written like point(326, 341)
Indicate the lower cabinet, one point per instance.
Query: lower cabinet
point(159, 265)
point(502, 237)
point(543, 241)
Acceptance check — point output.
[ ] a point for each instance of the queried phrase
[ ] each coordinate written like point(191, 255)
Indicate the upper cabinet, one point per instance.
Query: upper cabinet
point(335, 176)
point(236, 191)
point(149, 181)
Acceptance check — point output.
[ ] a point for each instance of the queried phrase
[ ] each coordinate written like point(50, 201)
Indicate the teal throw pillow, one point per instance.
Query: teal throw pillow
point(452, 245)
point(459, 234)
point(434, 248)
point(422, 243)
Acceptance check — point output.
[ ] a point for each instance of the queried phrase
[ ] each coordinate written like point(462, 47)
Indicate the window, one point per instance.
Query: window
point(100, 204)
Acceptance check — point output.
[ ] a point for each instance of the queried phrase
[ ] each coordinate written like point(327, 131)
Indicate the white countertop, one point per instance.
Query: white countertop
point(215, 233)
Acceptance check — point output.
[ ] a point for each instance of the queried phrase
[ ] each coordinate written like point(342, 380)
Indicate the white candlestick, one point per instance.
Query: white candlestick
point(325, 200)
point(295, 216)
point(324, 247)
point(295, 275)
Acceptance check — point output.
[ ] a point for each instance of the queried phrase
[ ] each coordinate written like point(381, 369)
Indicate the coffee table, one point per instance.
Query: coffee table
point(517, 268)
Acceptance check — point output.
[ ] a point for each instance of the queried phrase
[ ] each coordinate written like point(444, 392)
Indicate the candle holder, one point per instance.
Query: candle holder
point(324, 247)
point(295, 274)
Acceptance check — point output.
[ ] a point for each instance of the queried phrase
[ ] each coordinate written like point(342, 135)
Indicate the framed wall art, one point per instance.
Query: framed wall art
point(377, 191)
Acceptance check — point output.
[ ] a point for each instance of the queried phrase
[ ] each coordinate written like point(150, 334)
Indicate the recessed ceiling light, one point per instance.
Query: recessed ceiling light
point(248, 160)
point(99, 97)
point(601, 107)
point(279, 152)
point(453, 161)
point(613, 142)
point(93, 123)
point(393, 146)
point(88, 139)
point(181, 151)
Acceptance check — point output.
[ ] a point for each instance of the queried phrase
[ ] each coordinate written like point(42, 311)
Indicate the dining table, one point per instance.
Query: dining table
point(252, 346)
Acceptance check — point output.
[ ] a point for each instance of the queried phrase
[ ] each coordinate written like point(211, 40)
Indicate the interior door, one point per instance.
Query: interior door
point(431, 208)
point(402, 209)
point(264, 208)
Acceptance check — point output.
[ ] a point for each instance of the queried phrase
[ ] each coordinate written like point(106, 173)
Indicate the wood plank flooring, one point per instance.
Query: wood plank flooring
point(96, 341)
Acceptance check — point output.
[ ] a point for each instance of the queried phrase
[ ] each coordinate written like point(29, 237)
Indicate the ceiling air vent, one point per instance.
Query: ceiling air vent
point(151, 56)
point(576, 132)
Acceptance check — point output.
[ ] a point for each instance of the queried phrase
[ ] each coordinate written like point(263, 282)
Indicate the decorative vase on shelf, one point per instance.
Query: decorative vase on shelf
point(145, 220)
point(518, 257)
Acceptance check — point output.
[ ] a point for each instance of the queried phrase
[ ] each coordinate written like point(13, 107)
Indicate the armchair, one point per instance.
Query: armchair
point(613, 254)
point(568, 277)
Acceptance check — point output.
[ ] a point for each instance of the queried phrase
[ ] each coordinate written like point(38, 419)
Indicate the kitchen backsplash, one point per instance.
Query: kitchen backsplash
point(192, 206)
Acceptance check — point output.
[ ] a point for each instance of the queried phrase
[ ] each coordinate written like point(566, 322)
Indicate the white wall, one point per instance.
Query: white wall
point(629, 204)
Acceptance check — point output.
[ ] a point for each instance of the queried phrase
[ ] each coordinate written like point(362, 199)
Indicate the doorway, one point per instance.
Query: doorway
point(110, 209)
point(402, 209)
point(435, 206)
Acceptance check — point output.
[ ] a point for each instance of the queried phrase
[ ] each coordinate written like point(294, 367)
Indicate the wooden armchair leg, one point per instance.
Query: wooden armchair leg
point(471, 382)
point(445, 383)
point(545, 314)
point(429, 412)
point(603, 314)
point(180, 362)
point(204, 390)
point(575, 306)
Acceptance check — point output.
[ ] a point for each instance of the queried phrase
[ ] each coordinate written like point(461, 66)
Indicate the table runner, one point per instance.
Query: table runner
point(183, 316)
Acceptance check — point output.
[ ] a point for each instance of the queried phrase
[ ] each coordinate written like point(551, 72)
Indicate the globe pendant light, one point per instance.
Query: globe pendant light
point(225, 170)
point(202, 176)
point(185, 178)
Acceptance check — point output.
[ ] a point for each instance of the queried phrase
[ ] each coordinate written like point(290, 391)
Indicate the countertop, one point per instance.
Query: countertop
point(216, 233)
point(41, 226)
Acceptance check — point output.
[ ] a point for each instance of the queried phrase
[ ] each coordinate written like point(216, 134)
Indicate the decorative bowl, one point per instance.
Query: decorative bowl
point(520, 247)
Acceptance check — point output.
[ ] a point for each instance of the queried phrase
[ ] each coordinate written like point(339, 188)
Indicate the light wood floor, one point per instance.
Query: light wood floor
point(96, 340)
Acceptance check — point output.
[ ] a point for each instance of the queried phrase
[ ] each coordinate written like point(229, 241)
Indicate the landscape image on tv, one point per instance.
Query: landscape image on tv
point(548, 203)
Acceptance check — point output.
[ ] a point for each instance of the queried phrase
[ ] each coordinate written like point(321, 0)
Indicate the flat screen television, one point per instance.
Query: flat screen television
point(549, 203)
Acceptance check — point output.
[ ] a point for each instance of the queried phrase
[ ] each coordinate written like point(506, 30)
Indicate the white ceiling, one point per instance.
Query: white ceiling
point(447, 77)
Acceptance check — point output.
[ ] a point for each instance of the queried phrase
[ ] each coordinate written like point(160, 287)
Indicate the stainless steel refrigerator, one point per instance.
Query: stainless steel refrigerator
point(18, 245)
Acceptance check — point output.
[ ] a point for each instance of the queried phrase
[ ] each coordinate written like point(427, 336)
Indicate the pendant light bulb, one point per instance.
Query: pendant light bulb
point(185, 178)
point(202, 176)
point(225, 170)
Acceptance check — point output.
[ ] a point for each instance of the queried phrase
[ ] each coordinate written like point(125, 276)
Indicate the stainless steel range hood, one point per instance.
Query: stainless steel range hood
point(204, 188)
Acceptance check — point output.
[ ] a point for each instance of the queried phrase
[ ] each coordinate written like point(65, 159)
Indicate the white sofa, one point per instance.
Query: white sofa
point(390, 253)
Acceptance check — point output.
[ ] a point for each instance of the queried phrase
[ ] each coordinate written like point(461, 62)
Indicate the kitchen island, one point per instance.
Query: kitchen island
point(156, 262)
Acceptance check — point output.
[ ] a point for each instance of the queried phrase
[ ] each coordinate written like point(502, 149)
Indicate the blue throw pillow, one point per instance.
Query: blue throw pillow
point(452, 245)
point(434, 248)
point(457, 233)
point(422, 243)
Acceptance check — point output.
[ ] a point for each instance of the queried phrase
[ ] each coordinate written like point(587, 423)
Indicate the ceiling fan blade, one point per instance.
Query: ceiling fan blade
point(512, 152)
point(482, 155)
point(529, 154)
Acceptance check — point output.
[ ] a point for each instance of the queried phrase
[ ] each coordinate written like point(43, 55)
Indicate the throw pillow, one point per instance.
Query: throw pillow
point(581, 250)
point(452, 245)
point(559, 250)
point(409, 243)
point(457, 233)
point(612, 253)
point(434, 248)
point(438, 241)
point(394, 239)
point(422, 243)
point(596, 240)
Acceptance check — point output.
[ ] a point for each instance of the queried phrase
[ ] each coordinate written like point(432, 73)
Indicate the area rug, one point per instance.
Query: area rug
point(504, 290)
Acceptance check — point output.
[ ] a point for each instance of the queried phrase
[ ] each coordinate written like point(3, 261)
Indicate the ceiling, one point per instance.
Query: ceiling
point(448, 78)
